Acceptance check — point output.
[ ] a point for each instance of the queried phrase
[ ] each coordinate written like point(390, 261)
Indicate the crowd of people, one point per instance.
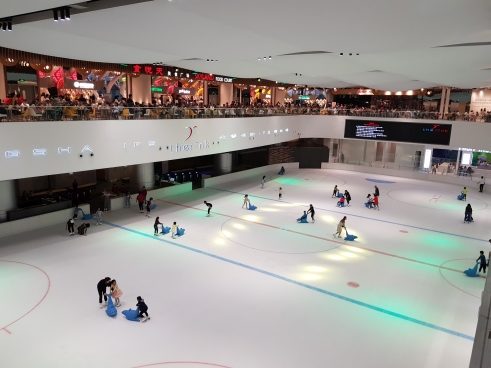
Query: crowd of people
point(69, 107)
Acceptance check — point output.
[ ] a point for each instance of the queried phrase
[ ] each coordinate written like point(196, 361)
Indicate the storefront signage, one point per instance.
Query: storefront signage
point(83, 85)
point(148, 69)
point(184, 91)
point(213, 78)
point(204, 77)
point(223, 79)
point(304, 97)
point(157, 89)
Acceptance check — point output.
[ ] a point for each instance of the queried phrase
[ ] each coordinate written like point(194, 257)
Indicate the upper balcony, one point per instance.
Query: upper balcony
point(71, 112)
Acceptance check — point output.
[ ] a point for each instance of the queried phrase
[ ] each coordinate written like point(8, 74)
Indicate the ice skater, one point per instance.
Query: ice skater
point(376, 193)
point(174, 230)
point(347, 196)
point(341, 202)
point(70, 224)
point(341, 226)
point(127, 200)
point(312, 212)
point(335, 191)
point(140, 199)
point(142, 309)
point(468, 213)
point(149, 207)
point(369, 202)
point(101, 290)
point(116, 292)
point(482, 262)
point(280, 193)
point(98, 217)
point(375, 202)
point(156, 226)
point(209, 205)
point(263, 180)
point(247, 202)
point(481, 184)
point(464, 194)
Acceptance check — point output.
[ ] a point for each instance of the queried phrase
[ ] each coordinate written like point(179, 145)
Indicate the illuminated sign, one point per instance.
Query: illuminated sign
point(12, 154)
point(39, 152)
point(83, 85)
point(204, 77)
point(304, 97)
point(157, 89)
point(223, 79)
point(86, 148)
point(148, 69)
point(184, 91)
point(425, 133)
point(64, 150)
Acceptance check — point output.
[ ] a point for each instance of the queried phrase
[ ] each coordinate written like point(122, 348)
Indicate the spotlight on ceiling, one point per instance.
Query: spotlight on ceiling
point(388, 93)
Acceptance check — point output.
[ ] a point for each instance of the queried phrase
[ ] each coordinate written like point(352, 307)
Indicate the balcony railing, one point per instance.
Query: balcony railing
point(105, 112)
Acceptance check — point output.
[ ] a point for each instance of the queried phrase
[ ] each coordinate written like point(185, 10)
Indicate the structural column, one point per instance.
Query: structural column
point(223, 163)
point(7, 198)
point(145, 175)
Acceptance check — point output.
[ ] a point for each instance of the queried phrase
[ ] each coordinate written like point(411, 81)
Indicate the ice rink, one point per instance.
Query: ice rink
point(255, 289)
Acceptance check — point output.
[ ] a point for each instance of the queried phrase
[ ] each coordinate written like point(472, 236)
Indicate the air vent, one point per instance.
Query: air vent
point(488, 43)
point(306, 53)
point(193, 59)
point(375, 71)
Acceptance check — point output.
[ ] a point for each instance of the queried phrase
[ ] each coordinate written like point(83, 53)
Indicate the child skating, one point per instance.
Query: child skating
point(149, 206)
point(464, 194)
point(263, 180)
point(347, 195)
point(174, 230)
point(116, 292)
point(280, 193)
point(247, 202)
point(71, 226)
point(341, 226)
point(335, 191)
point(156, 226)
point(209, 205)
point(482, 262)
point(142, 309)
point(98, 217)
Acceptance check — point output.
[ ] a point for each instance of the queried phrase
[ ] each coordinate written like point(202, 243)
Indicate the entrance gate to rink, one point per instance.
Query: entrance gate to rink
point(481, 351)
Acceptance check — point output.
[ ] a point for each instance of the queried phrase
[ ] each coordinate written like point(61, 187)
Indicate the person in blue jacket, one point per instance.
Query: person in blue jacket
point(482, 262)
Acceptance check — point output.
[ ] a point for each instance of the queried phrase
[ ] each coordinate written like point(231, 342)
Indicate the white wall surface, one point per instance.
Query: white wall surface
point(129, 142)
point(41, 221)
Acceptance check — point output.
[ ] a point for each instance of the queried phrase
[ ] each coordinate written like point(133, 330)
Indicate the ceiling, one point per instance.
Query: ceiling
point(397, 40)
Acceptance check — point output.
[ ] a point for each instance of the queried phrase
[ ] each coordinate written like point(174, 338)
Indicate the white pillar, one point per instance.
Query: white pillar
point(223, 163)
point(145, 175)
point(7, 198)
point(443, 98)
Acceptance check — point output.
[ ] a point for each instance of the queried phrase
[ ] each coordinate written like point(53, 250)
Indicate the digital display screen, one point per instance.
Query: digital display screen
point(425, 133)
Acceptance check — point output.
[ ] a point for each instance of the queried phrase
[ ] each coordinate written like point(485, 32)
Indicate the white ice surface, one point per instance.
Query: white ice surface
point(254, 289)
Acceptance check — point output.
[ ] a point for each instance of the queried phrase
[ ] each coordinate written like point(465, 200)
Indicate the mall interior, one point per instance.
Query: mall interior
point(187, 101)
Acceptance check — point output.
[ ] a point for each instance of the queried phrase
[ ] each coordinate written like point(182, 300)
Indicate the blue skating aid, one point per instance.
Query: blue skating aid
point(180, 231)
point(460, 197)
point(131, 315)
point(87, 216)
point(339, 195)
point(302, 220)
point(472, 272)
point(111, 310)
point(165, 230)
point(252, 207)
point(153, 206)
point(340, 204)
point(350, 237)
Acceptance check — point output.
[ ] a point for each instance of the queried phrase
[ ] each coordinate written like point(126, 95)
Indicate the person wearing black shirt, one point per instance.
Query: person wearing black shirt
point(209, 205)
point(101, 289)
point(71, 226)
point(156, 226)
point(142, 309)
point(482, 262)
point(312, 212)
point(377, 192)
